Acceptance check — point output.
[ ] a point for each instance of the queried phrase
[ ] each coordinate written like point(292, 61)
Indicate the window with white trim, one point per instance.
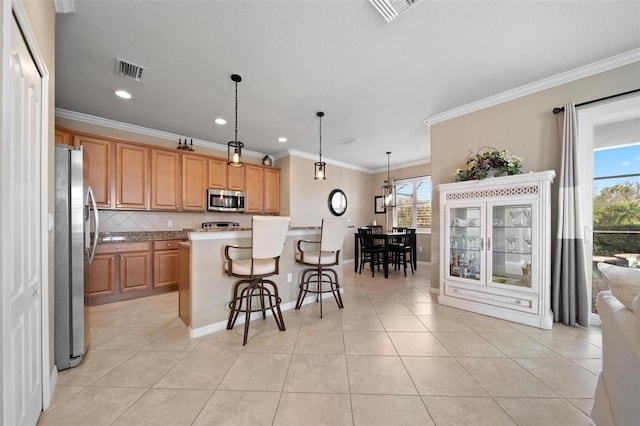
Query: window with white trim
point(413, 203)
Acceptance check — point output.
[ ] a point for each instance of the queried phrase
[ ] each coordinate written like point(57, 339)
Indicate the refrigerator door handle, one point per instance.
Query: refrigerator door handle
point(91, 251)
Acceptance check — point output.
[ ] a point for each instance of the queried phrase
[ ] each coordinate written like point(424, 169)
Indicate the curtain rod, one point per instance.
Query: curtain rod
point(557, 110)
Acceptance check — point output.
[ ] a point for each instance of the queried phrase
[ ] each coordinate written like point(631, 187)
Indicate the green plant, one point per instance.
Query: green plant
point(487, 160)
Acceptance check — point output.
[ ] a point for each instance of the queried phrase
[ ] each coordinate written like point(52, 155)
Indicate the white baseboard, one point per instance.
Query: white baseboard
point(53, 381)
point(222, 325)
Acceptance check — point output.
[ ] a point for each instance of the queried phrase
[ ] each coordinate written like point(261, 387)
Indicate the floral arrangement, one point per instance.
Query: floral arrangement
point(487, 162)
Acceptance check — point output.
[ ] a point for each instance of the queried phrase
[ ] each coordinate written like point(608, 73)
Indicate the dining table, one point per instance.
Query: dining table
point(387, 237)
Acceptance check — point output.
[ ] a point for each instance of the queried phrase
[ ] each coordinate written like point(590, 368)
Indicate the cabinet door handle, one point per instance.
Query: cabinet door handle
point(488, 243)
point(481, 244)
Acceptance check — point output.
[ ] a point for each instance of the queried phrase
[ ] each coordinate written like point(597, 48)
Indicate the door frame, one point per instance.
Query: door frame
point(9, 10)
point(588, 117)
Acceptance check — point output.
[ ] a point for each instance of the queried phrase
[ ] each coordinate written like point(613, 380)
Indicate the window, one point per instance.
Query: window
point(413, 203)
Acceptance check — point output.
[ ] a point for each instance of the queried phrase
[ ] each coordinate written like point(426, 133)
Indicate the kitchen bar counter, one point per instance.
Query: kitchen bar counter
point(210, 288)
point(183, 235)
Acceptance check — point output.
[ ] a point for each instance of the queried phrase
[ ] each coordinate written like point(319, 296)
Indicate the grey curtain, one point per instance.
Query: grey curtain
point(569, 297)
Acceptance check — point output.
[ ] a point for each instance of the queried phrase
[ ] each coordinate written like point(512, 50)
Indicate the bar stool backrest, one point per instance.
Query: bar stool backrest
point(333, 233)
point(268, 234)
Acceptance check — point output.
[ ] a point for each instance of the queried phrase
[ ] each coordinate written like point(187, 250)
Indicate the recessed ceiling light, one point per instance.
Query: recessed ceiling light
point(123, 94)
point(282, 139)
point(221, 121)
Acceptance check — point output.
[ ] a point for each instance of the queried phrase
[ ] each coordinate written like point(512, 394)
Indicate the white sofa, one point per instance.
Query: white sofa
point(617, 398)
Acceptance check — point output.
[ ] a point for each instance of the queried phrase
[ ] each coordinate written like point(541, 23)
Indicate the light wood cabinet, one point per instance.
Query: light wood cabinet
point(254, 182)
point(236, 178)
point(120, 271)
point(98, 161)
point(165, 263)
point(184, 283)
point(63, 137)
point(194, 182)
point(165, 180)
point(263, 189)
point(128, 270)
point(135, 271)
point(217, 173)
point(495, 234)
point(132, 183)
point(271, 191)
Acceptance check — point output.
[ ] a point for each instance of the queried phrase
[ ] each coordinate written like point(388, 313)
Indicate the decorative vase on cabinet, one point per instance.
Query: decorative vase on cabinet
point(496, 237)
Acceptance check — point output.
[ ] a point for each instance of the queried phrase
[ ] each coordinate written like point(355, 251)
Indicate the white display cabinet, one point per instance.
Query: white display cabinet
point(496, 240)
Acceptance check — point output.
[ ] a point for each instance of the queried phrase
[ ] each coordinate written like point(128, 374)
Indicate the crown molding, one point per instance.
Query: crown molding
point(65, 6)
point(402, 166)
point(300, 154)
point(616, 61)
point(98, 121)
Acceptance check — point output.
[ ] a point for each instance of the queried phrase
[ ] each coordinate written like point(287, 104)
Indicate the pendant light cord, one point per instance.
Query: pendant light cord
point(236, 132)
point(321, 137)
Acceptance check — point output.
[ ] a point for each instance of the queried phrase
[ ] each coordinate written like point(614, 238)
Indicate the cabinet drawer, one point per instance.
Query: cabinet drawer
point(516, 302)
point(166, 245)
point(121, 247)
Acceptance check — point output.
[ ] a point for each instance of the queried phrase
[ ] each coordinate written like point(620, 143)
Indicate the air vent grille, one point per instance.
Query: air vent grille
point(391, 9)
point(129, 70)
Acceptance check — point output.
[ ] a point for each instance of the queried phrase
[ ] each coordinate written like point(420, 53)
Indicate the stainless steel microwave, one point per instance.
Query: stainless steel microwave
point(219, 200)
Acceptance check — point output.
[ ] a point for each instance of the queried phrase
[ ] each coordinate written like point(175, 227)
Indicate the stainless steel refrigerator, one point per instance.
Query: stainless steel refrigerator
point(76, 217)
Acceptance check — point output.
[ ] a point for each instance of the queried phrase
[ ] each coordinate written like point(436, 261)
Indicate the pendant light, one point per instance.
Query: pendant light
point(234, 148)
point(389, 190)
point(320, 166)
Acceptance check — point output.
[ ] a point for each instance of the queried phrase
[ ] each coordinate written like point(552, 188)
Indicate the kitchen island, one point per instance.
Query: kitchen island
point(206, 295)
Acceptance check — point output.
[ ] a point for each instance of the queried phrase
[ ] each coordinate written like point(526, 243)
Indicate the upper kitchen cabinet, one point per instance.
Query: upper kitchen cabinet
point(271, 191)
point(254, 187)
point(63, 137)
point(263, 189)
point(165, 180)
point(217, 173)
point(98, 160)
point(194, 182)
point(236, 178)
point(132, 182)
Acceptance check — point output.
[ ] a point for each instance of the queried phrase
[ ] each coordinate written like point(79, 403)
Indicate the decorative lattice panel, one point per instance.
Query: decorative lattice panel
point(513, 191)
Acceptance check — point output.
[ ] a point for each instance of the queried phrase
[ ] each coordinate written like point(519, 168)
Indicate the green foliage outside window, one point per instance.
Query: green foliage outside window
point(616, 219)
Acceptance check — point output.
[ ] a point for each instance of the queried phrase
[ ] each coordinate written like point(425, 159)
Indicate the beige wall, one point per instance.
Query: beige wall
point(307, 199)
point(525, 127)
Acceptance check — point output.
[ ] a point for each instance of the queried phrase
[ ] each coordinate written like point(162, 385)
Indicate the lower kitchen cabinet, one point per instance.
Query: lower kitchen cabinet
point(165, 263)
point(123, 271)
point(184, 283)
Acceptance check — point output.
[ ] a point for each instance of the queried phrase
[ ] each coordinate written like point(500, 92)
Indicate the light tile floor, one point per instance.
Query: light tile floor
point(392, 356)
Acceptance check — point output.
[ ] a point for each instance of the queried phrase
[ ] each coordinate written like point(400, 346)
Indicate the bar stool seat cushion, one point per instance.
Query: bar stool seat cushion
point(312, 257)
point(243, 267)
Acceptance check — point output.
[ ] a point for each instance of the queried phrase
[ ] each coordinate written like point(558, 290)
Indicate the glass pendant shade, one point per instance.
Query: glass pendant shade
point(234, 154)
point(389, 190)
point(234, 148)
point(320, 172)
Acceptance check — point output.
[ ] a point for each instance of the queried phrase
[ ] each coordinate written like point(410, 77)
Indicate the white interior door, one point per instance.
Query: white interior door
point(22, 238)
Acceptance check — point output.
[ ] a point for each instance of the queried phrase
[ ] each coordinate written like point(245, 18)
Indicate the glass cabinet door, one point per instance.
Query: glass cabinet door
point(512, 245)
point(465, 243)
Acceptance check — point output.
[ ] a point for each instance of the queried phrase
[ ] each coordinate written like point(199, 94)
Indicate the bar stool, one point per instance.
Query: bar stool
point(322, 255)
point(268, 234)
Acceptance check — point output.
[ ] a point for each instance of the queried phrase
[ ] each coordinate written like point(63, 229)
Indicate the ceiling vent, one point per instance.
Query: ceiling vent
point(391, 9)
point(347, 141)
point(129, 70)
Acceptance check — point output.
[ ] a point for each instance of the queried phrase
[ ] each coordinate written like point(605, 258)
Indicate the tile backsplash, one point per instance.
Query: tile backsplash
point(134, 221)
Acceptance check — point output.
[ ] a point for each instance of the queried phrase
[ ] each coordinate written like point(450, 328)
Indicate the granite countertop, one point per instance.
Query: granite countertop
point(183, 235)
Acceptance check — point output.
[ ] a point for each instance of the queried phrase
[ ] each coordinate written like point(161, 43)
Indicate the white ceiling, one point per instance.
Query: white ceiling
point(376, 82)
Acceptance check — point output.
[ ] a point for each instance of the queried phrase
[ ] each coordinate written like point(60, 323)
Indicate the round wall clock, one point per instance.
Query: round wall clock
point(266, 160)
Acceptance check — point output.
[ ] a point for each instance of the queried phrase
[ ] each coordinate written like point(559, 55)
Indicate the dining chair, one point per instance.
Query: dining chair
point(268, 235)
point(401, 250)
point(321, 256)
point(370, 252)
